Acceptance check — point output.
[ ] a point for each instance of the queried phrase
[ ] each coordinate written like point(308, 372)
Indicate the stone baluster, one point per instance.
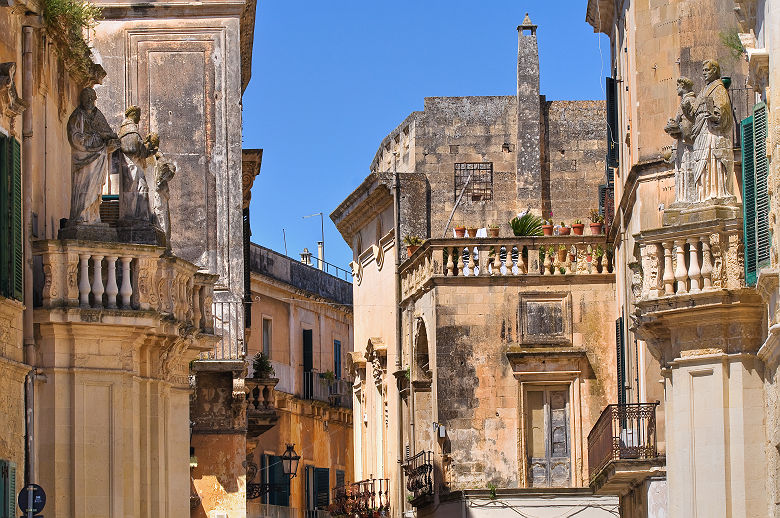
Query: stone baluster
point(522, 268)
point(706, 263)
point(97, 281)
point(497, 258)
point(459, 251)
point(126, 291)
point(547, 263)
point(437, 261)
point(694, 272)
point(472, 263)
point(112, 290)
point(450, 263)
point(196, 313)
point(484, 260)
point(84, 284)
point(681, 272)
point(668, 277)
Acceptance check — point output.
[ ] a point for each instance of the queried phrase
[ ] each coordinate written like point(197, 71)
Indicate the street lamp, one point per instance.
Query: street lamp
point(290, 461)
point(289, 468)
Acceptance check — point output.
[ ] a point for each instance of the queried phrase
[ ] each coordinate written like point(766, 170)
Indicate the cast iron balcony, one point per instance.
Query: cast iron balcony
point(364, 499)
point(419, 475)
point(622, 447)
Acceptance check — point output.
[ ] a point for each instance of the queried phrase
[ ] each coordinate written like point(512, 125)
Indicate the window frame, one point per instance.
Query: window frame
point(479, 172)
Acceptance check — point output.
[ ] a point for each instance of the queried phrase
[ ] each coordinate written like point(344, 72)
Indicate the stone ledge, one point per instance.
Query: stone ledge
point(617, 477)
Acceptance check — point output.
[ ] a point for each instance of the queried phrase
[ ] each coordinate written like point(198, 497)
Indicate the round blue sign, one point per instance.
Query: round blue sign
point(38, 498)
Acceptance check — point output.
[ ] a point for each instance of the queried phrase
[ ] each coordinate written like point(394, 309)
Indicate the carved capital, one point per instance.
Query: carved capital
point(10, 102)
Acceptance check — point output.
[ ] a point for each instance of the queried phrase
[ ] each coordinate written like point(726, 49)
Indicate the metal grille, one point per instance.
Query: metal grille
point(480, 187)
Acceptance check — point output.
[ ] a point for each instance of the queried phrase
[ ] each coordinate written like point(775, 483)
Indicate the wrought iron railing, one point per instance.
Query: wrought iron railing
point(622, 432)
point(229, 322)
point(331, 269)
point(419, 474)
point(315, 386)
point(365, 499)
point(340, 393)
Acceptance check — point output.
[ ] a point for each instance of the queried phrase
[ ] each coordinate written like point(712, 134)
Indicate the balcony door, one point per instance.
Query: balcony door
point(548, 441)
point(308, 364)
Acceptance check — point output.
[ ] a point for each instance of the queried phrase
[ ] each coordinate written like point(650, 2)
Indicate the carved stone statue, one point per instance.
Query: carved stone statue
point(713, 160)
point(134, 192)
point(681, 129)
point(164, 170)
point(91, 140)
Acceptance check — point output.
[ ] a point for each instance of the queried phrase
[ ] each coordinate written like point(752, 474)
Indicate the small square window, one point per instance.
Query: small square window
point(475, 180)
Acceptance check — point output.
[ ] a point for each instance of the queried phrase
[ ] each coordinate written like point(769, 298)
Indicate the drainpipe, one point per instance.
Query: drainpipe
point(398, 326)
point(27, 153)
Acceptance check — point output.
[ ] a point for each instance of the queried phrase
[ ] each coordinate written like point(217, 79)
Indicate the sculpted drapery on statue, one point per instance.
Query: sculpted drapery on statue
point(703, 158)
point(134, 192)
point(164, 170)
point(92, 141)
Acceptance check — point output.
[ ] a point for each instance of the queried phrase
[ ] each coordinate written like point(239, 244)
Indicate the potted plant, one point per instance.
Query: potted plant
point(596, 222)
point(460, 230)
point(261, 367)
point(598, 253)
point(562, 253)
point(563, 230)
point(493, 230)
point(589, 254)
point(547, 228)
point(412, 244)
point(328, 375)
point(471, 230)
point(578, 227)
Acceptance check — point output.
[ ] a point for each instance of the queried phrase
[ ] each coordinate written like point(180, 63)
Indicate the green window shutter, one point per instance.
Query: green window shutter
point(7, 489)
point(321, 488)
point(621, 361)
point(748, 201)
point(761, 171)
point(17, 247)
point(613, 148)
point(5, 215)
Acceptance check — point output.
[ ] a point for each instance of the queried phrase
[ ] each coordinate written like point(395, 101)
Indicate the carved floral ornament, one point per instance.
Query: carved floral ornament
point(11, 104)
point(376, 354)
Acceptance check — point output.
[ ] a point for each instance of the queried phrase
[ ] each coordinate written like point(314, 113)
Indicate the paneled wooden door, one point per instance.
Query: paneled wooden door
point(547, 433)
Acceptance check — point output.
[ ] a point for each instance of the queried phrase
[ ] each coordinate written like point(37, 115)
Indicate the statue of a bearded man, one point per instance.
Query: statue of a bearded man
point(713, 159)
point(92, 141)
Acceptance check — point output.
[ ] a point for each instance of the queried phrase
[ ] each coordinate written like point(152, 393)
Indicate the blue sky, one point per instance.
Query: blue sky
point(331, 79)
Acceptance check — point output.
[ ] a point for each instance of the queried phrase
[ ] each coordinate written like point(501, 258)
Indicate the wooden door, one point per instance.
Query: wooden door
point(547, 437)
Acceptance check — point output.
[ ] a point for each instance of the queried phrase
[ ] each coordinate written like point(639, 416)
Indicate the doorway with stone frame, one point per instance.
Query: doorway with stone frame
point(548, 436)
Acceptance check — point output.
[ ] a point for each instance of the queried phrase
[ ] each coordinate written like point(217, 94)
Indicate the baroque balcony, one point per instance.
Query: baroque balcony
point(554, 258)
point(623, 449)
point(419, 476)
point(336, 392)
point(365, 499)
point(261, 414)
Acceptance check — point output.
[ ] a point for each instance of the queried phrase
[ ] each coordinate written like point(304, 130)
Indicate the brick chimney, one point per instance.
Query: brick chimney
point(529, 169)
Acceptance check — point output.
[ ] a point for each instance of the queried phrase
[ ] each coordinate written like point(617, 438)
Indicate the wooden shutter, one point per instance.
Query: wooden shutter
point(748, 201)
point(337, 359)
point(621, 361)
point(7, 489)
point(547, 438)
point(308, 352)
point(17, 261)
point(280, 483)
point(761, 169)
point(613, 148)
point(5, 218)
point(321, 488)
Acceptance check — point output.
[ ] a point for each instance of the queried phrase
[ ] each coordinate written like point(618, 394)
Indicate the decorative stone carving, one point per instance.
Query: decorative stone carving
point(10, 102)
point(713, 160)
point(164, 170)
point(681, 128)
point(136, 153)
point(91, 140)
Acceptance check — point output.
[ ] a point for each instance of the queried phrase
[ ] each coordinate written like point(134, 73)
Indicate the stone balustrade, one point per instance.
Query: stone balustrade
point(515, 257)
point(689, 259)
point(123, 277)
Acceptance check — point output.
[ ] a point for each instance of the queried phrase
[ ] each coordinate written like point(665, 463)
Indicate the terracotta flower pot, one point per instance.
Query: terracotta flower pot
point(578, 229)
point(589, 257)
point(564, 231)
point(596, 228)
point(411, 249)
point(493, 231)
point(472, 231)
point(547, 230)
point(460, 231)
point(562, 256)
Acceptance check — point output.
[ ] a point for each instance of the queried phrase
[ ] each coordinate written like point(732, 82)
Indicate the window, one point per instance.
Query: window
point(613, 146)
point(11, 251)
point(755, 206)
point(279, 493)
point(337, 358)
point(475, 180)
point(317, 488)
point(267, 337)
point(547, 437)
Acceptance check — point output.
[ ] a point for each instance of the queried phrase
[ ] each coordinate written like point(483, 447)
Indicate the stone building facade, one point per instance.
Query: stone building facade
point(686, 268)
point(302, 323)
point(472, 354)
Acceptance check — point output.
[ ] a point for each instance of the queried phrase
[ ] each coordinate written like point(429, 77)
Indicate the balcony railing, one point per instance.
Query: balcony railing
point(229, 322)
point(419, 474)
point(623, 432)
point(504, 257)
point(361, 499)
point(120, 277)
point(261, 408)
point(340, 393)
point(337, 392)
point(689, 259)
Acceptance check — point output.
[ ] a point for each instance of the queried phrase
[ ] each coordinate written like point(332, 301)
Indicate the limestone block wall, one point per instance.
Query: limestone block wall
point(477, 393)
point(12, 373)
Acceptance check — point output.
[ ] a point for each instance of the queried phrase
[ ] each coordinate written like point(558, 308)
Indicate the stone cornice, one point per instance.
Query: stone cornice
point(251, 160)
point(369, 199)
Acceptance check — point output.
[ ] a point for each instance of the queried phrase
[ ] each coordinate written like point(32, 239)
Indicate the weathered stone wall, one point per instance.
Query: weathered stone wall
point(475, 387)
point(573, 158)
point(12, 372)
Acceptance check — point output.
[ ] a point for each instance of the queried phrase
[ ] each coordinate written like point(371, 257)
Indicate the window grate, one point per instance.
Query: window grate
point(480, 187)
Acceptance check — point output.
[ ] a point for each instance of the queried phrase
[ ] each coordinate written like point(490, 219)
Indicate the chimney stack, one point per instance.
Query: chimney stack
point(306, 257)
point(320, 252)
point(529, 111)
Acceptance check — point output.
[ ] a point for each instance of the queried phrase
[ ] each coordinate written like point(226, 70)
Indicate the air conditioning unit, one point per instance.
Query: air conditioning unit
point(7, 489)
